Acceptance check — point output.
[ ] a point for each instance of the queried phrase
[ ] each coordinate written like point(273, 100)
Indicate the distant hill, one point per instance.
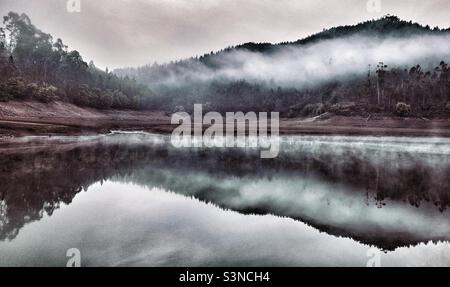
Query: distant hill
point(387, 26)
point(368, 67)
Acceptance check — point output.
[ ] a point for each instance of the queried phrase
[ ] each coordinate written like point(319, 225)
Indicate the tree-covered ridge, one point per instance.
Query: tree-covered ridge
point(388, 25)
point(34, 65)
point(422, 90)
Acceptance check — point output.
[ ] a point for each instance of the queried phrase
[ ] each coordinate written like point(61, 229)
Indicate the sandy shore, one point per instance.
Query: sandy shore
point(32, 118)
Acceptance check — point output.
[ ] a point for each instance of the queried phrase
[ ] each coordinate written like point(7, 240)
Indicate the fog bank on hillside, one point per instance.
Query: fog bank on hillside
point(305, 66)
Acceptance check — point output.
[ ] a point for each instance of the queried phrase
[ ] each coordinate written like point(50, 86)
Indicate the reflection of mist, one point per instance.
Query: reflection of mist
point(365, 188)
point(334, 208)
point(334, 183)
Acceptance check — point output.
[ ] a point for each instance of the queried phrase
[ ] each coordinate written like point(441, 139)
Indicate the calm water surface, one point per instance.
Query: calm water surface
point(133, 200)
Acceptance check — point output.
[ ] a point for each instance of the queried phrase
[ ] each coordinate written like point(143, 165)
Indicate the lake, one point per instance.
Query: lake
point(131, 199)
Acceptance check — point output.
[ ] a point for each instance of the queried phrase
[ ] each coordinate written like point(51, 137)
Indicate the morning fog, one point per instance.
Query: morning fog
point(235, 130)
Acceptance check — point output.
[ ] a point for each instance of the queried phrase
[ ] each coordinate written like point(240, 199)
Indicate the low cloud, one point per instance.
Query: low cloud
point(304, 66)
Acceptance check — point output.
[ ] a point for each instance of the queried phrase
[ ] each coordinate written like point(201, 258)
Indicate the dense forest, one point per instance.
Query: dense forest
point(35, 66)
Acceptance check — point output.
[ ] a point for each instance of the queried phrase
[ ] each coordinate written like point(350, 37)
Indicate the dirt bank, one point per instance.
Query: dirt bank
point(33, 118)
point(25, 118)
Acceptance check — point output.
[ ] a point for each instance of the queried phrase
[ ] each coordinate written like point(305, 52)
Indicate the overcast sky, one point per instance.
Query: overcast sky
point(119, 33)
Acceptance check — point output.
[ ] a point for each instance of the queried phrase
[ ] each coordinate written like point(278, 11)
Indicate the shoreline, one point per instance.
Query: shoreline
point(31, 118)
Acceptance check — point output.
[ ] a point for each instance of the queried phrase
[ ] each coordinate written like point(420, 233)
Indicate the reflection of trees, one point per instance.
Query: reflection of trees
point(32, 183)
point(37, 182)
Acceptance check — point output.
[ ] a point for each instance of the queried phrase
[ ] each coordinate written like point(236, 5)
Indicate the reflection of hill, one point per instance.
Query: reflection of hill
point(408, 184)
point(35, 182)
point(393, 176)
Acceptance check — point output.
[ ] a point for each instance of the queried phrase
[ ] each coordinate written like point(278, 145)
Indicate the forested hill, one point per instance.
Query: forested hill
point(34, 66)
point(388, 26)
point(386, 65)
point(370, 66)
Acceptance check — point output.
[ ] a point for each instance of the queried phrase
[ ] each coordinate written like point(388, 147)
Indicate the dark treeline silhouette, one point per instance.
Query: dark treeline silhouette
point(35, 66)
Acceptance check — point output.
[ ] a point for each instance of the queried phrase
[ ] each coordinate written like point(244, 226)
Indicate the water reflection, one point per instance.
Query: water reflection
point(388, 192)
